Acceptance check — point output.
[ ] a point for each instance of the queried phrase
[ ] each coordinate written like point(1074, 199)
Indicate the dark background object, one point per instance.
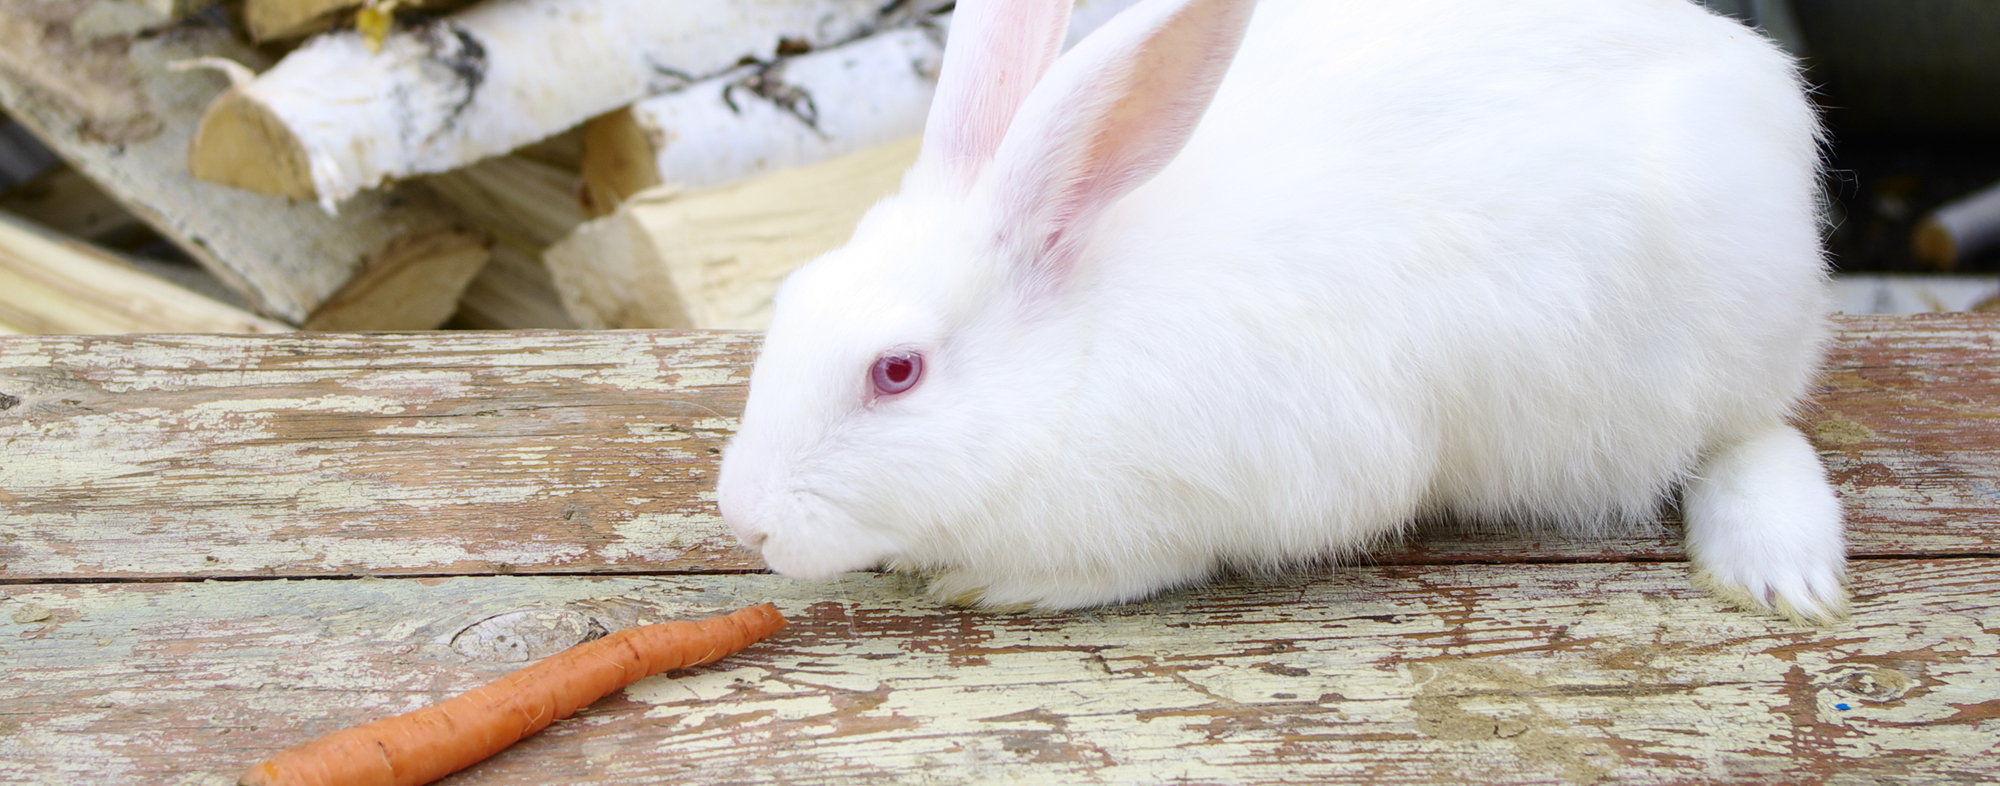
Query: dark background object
point(1906, 66)
point(1911, 93)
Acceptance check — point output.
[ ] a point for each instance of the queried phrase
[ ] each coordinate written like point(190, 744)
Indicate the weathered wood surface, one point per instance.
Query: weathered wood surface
point(140, 457)
point(1408, 674)
point(136, 466)
point(425, 453)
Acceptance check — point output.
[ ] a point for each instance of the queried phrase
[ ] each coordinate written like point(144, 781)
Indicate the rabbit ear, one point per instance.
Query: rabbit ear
point(997, 51)
point(1110, 115)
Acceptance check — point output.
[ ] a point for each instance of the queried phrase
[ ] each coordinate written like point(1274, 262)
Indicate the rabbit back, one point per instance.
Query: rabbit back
point(1535, 258)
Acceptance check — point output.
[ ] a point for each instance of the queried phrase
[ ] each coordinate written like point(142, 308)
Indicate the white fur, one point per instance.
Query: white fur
point(1535, 261)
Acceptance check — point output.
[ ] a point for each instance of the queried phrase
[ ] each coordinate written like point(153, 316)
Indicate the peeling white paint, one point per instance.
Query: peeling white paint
point(664, 536)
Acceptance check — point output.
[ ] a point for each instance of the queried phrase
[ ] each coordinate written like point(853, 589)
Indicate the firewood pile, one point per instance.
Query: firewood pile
point(271, 165)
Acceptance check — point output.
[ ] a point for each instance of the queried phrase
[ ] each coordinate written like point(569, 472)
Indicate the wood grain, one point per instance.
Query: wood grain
point(137, 466)
point(137, 457)
point(1516, 674)
point(316, 455)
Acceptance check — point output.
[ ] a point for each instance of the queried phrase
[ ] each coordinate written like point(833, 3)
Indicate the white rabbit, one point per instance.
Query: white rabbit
point(1128, 322)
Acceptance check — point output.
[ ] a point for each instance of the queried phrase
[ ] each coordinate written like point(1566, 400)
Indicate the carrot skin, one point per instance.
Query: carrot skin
point(427, 744)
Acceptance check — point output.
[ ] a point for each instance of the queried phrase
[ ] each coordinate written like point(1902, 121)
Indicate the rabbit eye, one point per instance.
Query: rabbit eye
point(896, 372)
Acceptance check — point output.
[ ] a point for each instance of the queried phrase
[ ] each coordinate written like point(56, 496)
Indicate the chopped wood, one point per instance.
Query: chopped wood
point(712, 258)
point(760, 119)
point(519, 200)
point(565, 452)
point(53, 284)
point(115, 111)
point(513, 292)
point(280, 20)
point(334, 118)
point(765, 117)
point(414, 284)
point(526, 201)
point(1960, 230)
point(620, 158)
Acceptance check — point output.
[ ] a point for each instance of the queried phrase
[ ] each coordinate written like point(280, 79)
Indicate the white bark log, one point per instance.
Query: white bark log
point(713, 258)
point(803, 110)
point(1960, 230)
point(336, 118)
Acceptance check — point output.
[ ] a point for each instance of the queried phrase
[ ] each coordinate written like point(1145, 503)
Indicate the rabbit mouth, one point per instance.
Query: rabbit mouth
point(802, 535)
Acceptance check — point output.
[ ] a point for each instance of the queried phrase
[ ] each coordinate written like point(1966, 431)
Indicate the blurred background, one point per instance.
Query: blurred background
point(566, 230)
point(1910, 91)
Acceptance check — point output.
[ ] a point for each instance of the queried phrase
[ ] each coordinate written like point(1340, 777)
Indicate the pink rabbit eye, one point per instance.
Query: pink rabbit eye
point(896, 372)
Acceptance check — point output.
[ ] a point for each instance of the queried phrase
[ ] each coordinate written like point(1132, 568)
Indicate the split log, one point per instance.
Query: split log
point(1960, 230)
point(279, 20)
point(526, 203)
point(53, 284)
point(513, 292)
point(334, 118)
point(712, 258)
point(518, 200)
point(115, 111)
point(762, 118)
point(414, 284)
point(800, 110)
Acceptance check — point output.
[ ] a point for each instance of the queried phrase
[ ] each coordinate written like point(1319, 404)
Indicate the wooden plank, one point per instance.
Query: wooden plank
point(539, 452)
point(421, 453)
point(1396, 674)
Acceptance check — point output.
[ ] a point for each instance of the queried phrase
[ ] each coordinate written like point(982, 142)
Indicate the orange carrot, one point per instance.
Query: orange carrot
point(430, 743)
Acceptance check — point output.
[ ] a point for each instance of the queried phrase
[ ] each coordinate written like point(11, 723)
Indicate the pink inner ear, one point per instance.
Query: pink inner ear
point(997, 51)
point(1108, 117)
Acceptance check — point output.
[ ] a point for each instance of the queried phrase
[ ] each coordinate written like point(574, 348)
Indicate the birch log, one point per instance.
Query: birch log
point(758, 119)
point(333, 118)
point(53, 284)
point(1960, 230)
point(712, 258)
point(112, 108)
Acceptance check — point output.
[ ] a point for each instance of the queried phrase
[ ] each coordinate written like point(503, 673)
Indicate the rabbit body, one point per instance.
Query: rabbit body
point(1542, 261)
